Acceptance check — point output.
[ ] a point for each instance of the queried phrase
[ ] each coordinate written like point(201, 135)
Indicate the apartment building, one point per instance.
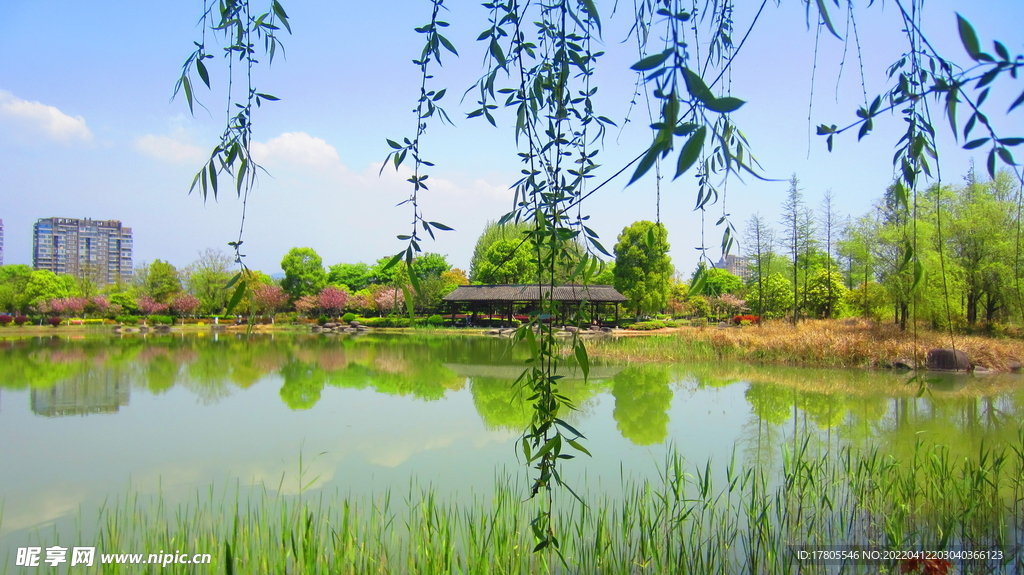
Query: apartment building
point(97, 249)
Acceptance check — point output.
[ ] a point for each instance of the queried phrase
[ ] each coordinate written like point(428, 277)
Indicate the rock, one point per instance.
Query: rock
point(315, 329)
point(982, 370)
point(492, 332)
point(571, 328)
point(903, 363)
point(354, 323)
point(941, 359)
point(330, 325)
point(1014, 366)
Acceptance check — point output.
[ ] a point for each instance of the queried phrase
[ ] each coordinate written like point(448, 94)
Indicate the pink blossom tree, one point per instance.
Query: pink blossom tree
point(306, 304)
point(101, 305)
point(149, 306)
point(269, 299)
point(185, 304)
point(333, 300)
point(389, 300)
point(361, 303)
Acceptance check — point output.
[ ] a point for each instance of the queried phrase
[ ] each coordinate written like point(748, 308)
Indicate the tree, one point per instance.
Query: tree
point(494, 232)
point(332, 300)
point(353, 276)
point(44, 286)
point(162, 281)
point(643, 269)
point(269, 299)
point(207, 278)
point(13, 281)
point(717, 281)
point(507, 261)
point(303, 273)
point(792, 209)
point(829, 219)
point(760, 249)
point(772, 296)
point(185, 304)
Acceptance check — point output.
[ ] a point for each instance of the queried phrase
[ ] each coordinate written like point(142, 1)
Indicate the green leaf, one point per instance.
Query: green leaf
point(187, 85)
point(233, 280)
point(267, 97)
point(410, 305)
point(394, 260)
point(724, 105)
point(652, 61)
point(592, 11)
point(975, 143)
point(394, 144)
point(918, 274)
point(576, 445)
point(448, 45)
point(968, 37)
point(584, 361)
point(201, 68)
point(1017, 102)
point(828, 21)
point(691, 151)
point(441, 226)
point(236, 297)
point(646, 163)
point(696, 86)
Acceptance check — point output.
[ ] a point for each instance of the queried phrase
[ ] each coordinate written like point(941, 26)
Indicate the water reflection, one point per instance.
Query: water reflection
point(95, 375)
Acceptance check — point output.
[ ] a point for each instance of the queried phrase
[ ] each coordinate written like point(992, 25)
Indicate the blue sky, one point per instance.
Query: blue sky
point(87, 128)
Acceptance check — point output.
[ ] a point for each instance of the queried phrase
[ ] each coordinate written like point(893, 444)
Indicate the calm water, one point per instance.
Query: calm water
point(87, 420)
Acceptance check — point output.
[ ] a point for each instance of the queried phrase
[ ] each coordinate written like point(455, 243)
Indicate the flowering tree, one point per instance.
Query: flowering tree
point(270, 298)
point(101, 305)
point(149, 306)
point(332, 300)
point(389, 300)
point(361, 302)
point(69, 306)
point(306, 304)
point(185, 304)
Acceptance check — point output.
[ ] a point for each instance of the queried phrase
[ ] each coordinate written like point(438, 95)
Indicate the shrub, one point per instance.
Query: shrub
point(392, 321)
point(322, 320)
point(161, 319)
point(647, 325)
point(54, 321)
point(348, 317)
point(435, 320)
point(127, 319)
point(5, 319)
point(20, 320)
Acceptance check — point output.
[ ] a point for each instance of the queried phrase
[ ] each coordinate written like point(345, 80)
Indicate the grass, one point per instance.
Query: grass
point(694, 519)
point(815, 343)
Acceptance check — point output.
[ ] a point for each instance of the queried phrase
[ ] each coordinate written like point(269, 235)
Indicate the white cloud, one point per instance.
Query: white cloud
point(297, 148)
point(47, 119)
point(170, 148)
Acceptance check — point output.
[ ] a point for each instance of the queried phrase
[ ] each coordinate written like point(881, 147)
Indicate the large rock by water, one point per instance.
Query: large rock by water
point(941, 359)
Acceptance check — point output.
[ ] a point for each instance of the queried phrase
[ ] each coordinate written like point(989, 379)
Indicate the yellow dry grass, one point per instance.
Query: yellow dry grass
point(825, 343)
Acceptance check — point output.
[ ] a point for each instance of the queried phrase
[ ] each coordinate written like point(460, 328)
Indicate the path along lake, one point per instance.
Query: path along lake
point(90, 419)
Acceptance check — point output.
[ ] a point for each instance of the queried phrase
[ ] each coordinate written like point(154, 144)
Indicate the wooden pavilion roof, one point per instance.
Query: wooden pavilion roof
point(521, 293)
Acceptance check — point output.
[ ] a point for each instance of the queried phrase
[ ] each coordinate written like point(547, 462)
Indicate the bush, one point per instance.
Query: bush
point(749, 319)
point(391, 321)
point(5, 319)
point(699, 322)
point(127, 319)
point(54, 321)
point(348, 317)
point(322, 320)
point(647, 325)
point(435, 320)
point(161, 319)
point(20, 320)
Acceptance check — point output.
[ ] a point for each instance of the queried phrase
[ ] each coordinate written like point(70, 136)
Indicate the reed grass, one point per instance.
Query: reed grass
point(814, 343)
point(691, 519)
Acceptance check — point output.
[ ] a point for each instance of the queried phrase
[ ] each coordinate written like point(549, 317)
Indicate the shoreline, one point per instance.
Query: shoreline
point(813, 343)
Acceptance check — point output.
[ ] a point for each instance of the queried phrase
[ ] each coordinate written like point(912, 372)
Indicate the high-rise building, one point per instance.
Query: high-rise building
point(736, 265)
point(100, 250)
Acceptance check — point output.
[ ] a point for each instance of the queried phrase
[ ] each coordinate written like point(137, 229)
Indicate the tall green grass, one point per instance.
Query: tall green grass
point(691, 519)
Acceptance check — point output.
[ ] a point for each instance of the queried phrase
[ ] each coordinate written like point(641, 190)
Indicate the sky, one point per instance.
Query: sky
point(88, 128)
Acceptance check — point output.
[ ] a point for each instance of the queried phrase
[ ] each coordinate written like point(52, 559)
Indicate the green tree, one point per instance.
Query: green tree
point(507, 261)
point(44, 285)
point(13, 281)
point(303, 273)
point(162, 282)
point(643, 269)
point(207, 278)
point(353, 276)
point(494, 232)
point(772, 297)
point(717, 281)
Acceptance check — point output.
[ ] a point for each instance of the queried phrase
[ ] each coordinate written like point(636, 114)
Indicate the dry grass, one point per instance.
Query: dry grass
point(816, 343)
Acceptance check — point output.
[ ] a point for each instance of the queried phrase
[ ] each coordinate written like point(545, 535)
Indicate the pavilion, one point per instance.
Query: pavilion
point(503, 297)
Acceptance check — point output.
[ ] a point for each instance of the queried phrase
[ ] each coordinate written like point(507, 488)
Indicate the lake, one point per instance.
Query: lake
point(89, 419)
